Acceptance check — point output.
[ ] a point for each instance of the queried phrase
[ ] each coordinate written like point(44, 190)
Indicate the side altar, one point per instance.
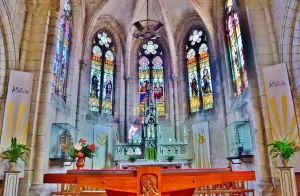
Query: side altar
point(151, 148)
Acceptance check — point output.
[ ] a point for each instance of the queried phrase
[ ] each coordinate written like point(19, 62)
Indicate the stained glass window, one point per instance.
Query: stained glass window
point(62, 51)
point(235, 47)
point(102, 74)
point(198, 68)
point(151, 74)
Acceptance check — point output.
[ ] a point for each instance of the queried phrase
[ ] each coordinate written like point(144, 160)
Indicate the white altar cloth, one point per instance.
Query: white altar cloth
point(151, 163)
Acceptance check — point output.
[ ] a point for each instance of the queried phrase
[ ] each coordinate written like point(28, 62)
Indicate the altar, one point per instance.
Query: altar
point(164, 165)
point(151, 148)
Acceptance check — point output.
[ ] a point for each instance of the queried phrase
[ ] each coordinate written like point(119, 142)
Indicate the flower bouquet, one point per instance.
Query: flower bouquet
point(81, 151)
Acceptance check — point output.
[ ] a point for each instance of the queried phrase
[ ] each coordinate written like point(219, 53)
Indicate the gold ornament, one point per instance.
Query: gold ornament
point(201, 137)
point(102, 140)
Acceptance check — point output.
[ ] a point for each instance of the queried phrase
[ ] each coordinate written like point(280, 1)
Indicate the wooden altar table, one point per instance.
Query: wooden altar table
point(148, 180)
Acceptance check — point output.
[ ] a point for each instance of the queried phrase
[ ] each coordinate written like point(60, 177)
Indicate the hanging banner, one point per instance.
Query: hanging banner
point(16, 115)
point(201, 145)
point(280, 103)
point(17, 108)
point(103, 140)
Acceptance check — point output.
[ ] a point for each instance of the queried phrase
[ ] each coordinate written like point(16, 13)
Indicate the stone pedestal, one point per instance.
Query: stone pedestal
point(287, 181)
point(11, 183)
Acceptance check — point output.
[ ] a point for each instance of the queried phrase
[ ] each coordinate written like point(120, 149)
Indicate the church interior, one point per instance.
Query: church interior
point(149, 97)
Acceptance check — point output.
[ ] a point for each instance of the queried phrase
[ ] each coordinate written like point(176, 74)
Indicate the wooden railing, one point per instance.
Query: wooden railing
point(298, 182)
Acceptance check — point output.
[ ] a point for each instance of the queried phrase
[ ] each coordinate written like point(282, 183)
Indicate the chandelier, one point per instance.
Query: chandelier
point(146, 29)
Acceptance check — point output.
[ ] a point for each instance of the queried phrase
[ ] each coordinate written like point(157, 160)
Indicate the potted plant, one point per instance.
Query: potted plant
point(171, 158)
point(81, 151)
point(16, 152)
point(284, 149)
point(132, 158)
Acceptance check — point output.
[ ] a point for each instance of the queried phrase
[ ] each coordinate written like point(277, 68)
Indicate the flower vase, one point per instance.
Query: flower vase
point(12, 166)
point(80, 163)
point(285, 162)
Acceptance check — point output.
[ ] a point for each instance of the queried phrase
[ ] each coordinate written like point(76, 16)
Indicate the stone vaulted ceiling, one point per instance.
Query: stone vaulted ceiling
point(125, 12)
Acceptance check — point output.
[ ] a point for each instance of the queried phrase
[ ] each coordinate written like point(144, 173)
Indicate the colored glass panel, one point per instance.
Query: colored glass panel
point(158, 84)
point(65, 58)
point(59, 37)
point(206, 87)
point(62, 51)
point(144, 79)
point(241, 50)
point(151, 73)
point(193, 81)
point(94, 102)
point(195, 37)
point(108, 85)
point(150, 48)
point(102, 74)
point(236, 51)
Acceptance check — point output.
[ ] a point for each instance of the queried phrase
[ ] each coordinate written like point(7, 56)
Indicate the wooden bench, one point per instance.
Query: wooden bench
point(230, 185)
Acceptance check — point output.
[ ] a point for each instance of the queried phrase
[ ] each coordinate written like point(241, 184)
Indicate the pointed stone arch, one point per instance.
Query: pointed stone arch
point(110, 26)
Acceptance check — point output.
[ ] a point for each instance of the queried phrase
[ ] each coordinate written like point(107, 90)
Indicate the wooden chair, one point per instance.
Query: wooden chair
point(67, 190)
point(89, 191)
point(1, 192)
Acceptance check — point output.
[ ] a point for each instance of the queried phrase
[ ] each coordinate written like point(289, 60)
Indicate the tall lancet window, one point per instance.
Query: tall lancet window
point(62, 51)
point(151, 75)
point(102, 74)
point(235, 47)
point(198, 67)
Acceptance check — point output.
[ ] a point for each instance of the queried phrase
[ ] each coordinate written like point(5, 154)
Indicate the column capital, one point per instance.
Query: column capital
point(82, 63)
point(127, 78)
point(174, 77)
point(31, 7)
point(54, 9)
point(265, 3)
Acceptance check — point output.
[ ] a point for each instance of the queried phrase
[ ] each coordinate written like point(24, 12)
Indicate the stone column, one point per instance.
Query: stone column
point(176, 113)
point(287, 181)
point(271, 30)
point(11, 183)
point(34, 59)
point(123, 133)
point(31, 9)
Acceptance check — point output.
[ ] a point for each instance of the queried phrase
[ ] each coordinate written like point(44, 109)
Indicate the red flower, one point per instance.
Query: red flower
point(64, 147)
point(92, 147)
point(80, 155)
point(82, 140)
